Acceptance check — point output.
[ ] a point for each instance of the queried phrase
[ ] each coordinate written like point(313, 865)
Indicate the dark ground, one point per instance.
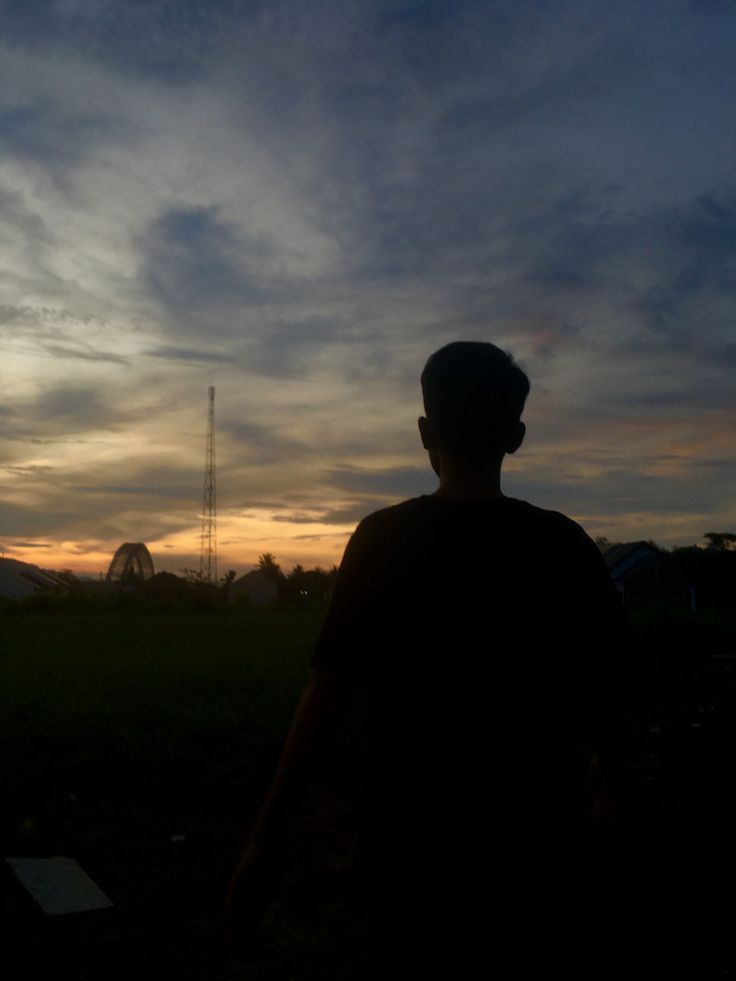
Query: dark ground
point(168, 895)
point(670, 865)
point(120, 729)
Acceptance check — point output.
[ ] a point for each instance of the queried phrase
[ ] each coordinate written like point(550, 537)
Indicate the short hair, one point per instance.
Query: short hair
point(474, 394)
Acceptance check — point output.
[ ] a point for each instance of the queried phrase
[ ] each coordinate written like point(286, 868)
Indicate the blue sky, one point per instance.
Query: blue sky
point(298, 203)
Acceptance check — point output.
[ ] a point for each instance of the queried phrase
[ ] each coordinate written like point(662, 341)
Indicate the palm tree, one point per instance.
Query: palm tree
point(270, 568)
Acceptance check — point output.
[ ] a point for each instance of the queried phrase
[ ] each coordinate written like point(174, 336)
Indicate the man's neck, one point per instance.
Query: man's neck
point(460, 482)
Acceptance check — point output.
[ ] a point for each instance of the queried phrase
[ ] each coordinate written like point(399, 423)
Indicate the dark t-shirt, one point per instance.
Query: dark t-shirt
point(487, 634)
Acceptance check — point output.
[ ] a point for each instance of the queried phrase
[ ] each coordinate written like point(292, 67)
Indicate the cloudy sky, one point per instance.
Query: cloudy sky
point(298, 202)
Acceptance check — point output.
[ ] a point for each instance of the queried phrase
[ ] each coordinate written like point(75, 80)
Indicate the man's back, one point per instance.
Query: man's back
point(471, 590)
point(486, 631)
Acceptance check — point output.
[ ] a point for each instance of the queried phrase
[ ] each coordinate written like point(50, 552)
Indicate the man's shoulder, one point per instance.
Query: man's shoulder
point(506, 518)
point(394, 512)
point(432, 508)
point(557, 522)
point(389, 520)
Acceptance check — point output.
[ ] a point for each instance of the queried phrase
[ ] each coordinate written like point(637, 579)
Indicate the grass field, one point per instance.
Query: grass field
point(122, 729)
point(142, 689)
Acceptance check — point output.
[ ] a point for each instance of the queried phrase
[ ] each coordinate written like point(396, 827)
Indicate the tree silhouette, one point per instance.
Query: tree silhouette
point(226, 580)
point(721, 540)
point(309, 585)
point(604, 544)
point(270, 568)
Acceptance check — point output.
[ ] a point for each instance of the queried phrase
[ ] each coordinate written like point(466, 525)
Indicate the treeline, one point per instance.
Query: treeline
point(300, 584)
point(305, 588)
point(702, 577)
point(696, 576)
point(716, 541)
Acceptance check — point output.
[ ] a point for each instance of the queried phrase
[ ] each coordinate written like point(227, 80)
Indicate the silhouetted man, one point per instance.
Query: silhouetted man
point(488, 635)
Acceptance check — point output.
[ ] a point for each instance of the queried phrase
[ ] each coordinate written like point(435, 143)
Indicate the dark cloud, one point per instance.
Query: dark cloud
point(33, 470)
point(263, 444)
point(724, 355)
point(10, 314)
point(19, 520)
point(244, 431)
point(84, 354)
point(165, 39)
point(351, 514)
point(288, 349)
point(709, 394)
point(715, 464)
point(17, 215)
point(64, 412)
point(712, 6)
point(52, 136)
point(296, 519)
point(397, 483)
point(74, 406)
point(167, 483)
point(614, 492)
point(442, 205)
point(665, 264)
point(46, 317)
point(152, 489)
point(173, 353)
point(200, 267)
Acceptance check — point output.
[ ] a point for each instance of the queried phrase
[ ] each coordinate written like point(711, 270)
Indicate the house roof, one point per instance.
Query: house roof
point(19, 579)
point(259, 588)
point(255, 576)
point(624, 559)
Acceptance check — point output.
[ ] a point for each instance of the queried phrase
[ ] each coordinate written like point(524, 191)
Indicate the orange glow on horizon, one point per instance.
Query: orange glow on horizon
point(241, 539)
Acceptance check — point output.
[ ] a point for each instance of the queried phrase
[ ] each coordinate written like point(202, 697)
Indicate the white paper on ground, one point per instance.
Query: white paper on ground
point(59, 885)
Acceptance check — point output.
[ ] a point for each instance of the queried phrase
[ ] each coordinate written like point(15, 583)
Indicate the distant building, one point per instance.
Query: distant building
point(21, 579)
point(638, 571)
point(259, 589)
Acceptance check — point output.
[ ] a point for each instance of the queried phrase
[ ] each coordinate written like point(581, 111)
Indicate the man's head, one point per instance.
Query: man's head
point(474, 394)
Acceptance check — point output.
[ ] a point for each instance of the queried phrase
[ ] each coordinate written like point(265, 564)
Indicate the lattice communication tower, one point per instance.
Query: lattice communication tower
point(208, 551)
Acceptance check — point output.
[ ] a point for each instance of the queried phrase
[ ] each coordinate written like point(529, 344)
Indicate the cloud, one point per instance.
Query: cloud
point(164, 39)
point(17, 216)
point(153, 489)
point(72, 412)
point(349, 515)
point(35, 470)
point(397, 483)
point(22, 521)
point(172, 353)
point(299, 204)
point(72, 408)
point(84, 354)
point(42, 134)
point(194, 258)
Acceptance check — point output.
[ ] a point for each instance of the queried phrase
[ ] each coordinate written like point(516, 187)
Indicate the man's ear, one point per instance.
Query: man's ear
point(427, 432)
point(516, 438)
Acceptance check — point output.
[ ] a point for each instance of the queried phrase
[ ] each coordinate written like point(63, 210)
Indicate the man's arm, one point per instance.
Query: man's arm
point(322, 708)
point(613, 673)
point(338, 663)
